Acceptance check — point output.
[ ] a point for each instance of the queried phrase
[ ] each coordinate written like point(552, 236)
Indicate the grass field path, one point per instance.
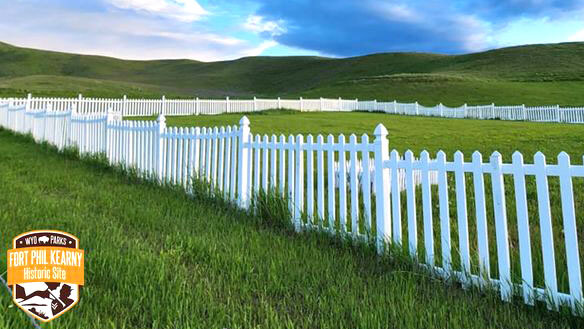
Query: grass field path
point(158, 259)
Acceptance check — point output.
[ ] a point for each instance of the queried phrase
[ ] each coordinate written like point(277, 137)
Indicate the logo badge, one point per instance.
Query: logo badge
point(45, 271)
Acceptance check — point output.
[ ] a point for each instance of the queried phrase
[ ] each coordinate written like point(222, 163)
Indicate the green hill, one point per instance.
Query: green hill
point(535, 74)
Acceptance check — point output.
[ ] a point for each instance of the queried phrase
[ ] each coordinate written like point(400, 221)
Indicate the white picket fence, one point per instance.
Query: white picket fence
point(147, 107)
point(239, 164)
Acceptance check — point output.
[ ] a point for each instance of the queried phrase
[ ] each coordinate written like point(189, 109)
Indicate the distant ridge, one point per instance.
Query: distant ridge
point(485, 76)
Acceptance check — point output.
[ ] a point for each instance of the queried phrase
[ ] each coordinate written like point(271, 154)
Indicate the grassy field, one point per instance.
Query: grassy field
point(532, 75)
point(156, 258)
point(415, 133)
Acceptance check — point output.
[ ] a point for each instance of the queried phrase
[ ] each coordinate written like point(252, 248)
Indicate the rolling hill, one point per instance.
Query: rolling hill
point(535, 74)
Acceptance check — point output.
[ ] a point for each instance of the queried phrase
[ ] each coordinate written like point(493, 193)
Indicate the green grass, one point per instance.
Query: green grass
point(415, 133)
point(156, 258)
point(532, 75)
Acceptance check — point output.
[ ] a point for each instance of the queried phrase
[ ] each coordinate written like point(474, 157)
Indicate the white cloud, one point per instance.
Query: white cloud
point(393, 12)
point(182, 10)
point(477, 33)
point(257, 24)
point(261, 48)
point(578, 36)
point(117, 34)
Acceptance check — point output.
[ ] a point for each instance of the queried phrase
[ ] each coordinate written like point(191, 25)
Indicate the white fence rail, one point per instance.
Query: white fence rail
point(383, 202)
point(147, 107)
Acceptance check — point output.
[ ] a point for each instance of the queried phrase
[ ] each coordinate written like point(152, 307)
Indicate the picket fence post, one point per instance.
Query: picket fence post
point(227, 104)
point(321, 104)
point(124, 106)
point(110, 117)
point(243, 177)
point(558, 117)
point(69, 138)
point(524, 111)
point(301, 105)
point(279, 103)
point(299, 183)
point(383, 216)
point(28, 102)
point(163, 111)
point(160, 147)
point(441, 109)
point(417, 108)
point(465, 110)
point(197, 106)
point(79, 99)
point(255, 104)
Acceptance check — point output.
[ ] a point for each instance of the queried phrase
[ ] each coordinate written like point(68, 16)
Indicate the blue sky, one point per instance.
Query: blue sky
point(212, 30)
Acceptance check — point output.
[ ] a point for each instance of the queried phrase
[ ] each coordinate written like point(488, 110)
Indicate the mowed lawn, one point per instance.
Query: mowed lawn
point(415, 133)
point(156, 258)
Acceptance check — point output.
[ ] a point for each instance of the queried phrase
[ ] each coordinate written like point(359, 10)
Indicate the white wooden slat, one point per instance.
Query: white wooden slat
point(444, 212)
point(282, 165)
point(179, 156)
point(209, 155)
point(214, 163)
point(196, 154)
point(273, 173)
point(320, 179)
point(342, 185)
point(256, 165)
point(309, 180)
point(220, 160)
point(291, 169)
point(427, 209)
point(547, 240)
point(461, 212)
point(570, 232)
point(203, 154)
point(366, 178)
point(502, 234)
point(411, 205)
point(481, 217)
point(395, 198)
point(234, 162)
point(227, 169)
point(331, 183)
point(299, 183)
point(354, 184)
point(265, 164)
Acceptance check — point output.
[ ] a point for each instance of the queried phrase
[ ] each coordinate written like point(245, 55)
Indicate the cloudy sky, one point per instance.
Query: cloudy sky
point(212, 30)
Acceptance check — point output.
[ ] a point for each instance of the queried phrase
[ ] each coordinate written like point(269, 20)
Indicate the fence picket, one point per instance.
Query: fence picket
point(461, 212)
point(502, 235)
point(309, 180)
point(480, 208)
point(331, 182)
point(444, 211)
point(411, 205)
point(570, 231)
point(547, 239)
point(427, 209)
